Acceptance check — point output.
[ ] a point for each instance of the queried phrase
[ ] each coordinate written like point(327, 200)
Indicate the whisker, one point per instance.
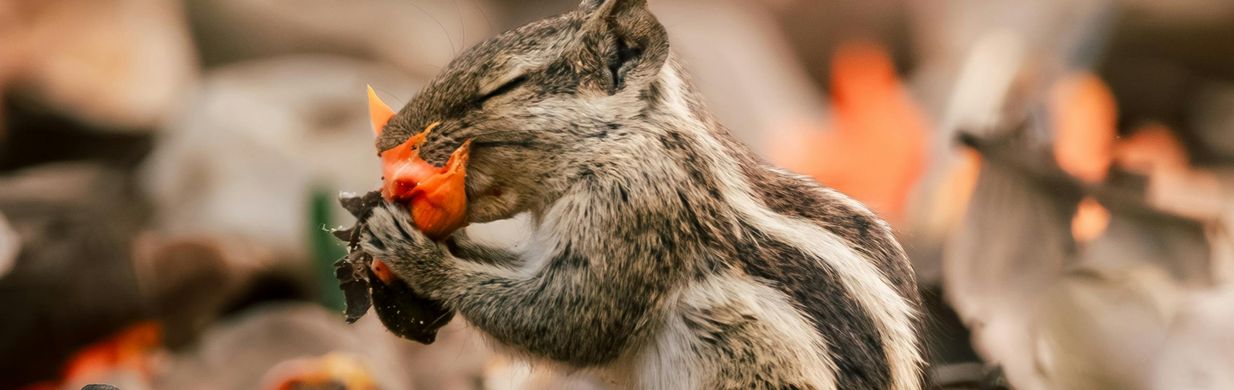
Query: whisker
point(389, 93)
point(443, 315)
point(462, 24)
point(444, 30)
point(484, 15)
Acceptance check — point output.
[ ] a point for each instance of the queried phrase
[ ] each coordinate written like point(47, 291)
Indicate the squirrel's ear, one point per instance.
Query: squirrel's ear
point(379, 113)
point(621, 42)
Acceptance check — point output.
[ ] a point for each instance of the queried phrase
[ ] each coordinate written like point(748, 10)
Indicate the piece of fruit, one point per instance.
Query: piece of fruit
point(439, 203)
point(369, 283)
point(435, 196)
point(382, 271)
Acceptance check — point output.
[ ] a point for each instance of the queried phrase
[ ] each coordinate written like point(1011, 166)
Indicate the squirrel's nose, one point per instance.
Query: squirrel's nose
point(436, 195)
point(401, 178)
point(403, 169)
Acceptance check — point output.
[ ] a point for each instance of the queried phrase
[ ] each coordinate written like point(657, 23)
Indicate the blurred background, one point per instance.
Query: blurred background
point(1059, 171)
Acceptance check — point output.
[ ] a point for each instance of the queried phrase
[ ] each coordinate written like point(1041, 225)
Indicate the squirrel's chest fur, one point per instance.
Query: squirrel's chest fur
point(768, 280)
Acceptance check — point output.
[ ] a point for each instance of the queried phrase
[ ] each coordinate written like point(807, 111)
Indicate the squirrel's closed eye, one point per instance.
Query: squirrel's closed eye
point(502, 89)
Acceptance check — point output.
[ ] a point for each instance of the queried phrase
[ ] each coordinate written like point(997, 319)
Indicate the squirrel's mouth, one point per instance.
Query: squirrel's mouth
point(435, 196)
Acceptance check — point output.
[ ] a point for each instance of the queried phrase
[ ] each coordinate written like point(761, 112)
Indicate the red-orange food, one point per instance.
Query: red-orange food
point(435, 196)
point(382, 271)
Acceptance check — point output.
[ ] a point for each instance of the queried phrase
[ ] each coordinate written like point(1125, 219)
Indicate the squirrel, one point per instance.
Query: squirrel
point(664, 254)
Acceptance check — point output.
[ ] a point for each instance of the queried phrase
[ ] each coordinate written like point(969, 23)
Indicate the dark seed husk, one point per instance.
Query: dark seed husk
point(360, 205)
point(354, 281)
point(399, 308)
point(344, 234)
point(406, 313)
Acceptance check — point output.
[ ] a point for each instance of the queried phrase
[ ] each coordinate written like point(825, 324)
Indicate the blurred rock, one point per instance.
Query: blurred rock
point(1133, 325)
point(10, 246)
point(508, 374)
point(36, 135)
point(456, 361)
point(242, 352)
point(1199, 352)
point(1213, 118)
point(418, 37)
point(1006, 256)
point(1188, 35)
point(753, 82)
point(513, 13)
point(72, 281)
point(124, 359)
point(1099, 330)
point(1053, 30)
point(117, 63)
point(334, 370)
point(186, 283)
point(966, 376)
point(257, 139)
point(1134, 307)
point(816, 29)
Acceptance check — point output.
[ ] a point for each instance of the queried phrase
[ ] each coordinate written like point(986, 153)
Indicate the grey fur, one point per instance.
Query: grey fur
point(660, 241)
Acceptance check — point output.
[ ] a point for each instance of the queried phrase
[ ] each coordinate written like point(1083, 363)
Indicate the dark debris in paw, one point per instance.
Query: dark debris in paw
point(399, 308)
point(354, 281)
point(407, 314)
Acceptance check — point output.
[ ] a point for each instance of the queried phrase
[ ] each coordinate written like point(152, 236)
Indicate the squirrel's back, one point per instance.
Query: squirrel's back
point(804, 286)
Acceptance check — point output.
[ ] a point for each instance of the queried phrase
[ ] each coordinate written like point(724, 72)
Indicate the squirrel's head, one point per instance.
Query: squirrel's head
point(542, 104)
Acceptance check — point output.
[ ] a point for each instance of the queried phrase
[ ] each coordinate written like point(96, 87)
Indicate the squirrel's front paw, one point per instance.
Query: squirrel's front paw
point(391, 235)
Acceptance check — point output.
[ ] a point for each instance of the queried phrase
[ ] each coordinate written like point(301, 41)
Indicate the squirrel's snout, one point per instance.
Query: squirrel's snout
point(435, 196)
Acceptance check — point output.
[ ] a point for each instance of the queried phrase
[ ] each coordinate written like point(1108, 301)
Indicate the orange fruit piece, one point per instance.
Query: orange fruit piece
point(439, 202)
point(382, 271)
point(436, 196)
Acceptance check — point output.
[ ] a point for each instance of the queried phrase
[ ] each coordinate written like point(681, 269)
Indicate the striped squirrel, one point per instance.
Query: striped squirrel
point(664, 253)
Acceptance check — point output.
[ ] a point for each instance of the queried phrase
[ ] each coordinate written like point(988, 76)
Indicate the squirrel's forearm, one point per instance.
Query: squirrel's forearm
point(466, 249)
point(577, 310)
point(570, 311)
